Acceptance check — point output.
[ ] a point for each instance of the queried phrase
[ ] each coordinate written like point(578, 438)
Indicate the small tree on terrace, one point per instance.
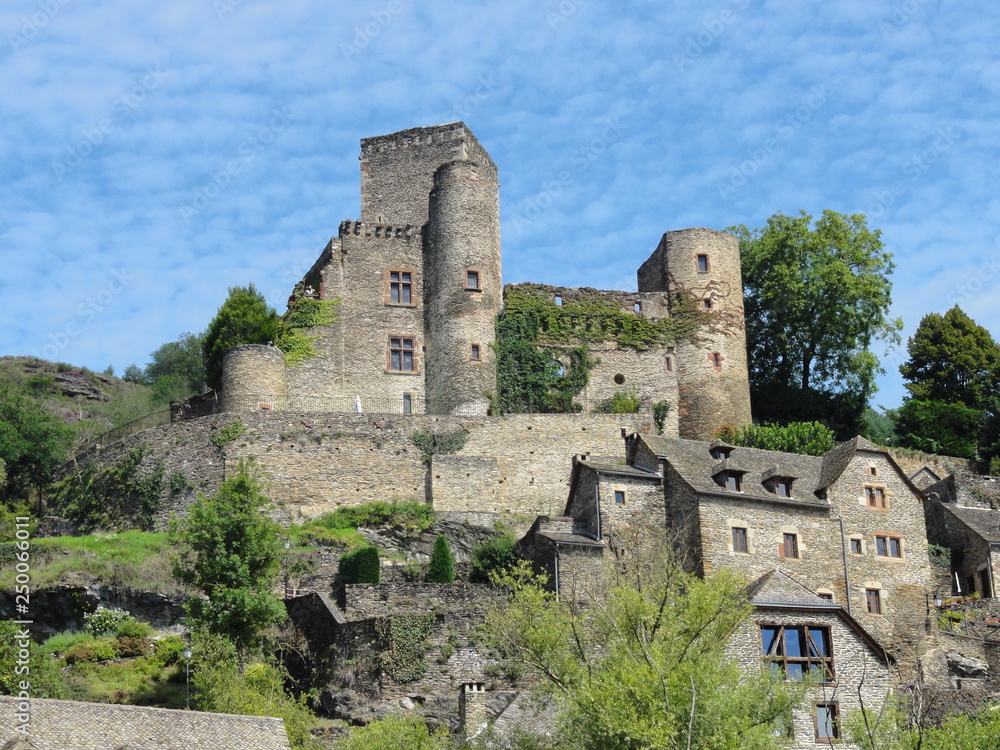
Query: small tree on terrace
point(442, 567)
point(230, 551)
point(244, 318)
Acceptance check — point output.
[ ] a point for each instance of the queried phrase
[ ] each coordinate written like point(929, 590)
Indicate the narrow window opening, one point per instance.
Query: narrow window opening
point(619, 497)
point(873, 601)
point(475, 353)
point(559, 299)
point(472, 280)
point(407, 403)
point(702, 264)
point(637, 307)
point(790, 546)
point(740, 540)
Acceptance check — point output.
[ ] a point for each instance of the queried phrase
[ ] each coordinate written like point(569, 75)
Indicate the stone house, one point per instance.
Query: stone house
point(73, 725)
point(795, 632)
point(963, 514)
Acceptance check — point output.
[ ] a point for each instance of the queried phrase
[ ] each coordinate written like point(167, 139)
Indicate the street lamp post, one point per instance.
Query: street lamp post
point(187, 678)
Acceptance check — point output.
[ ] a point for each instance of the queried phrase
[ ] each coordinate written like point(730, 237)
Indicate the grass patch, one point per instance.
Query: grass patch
point(134, 560)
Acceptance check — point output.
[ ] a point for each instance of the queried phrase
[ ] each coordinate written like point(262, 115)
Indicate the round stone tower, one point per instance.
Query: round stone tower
point(254, 378)
point(462, 287)
point(713, 382)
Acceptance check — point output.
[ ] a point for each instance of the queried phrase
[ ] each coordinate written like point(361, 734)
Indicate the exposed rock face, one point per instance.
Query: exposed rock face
point(63, 607)
point(462, 538)
point(77, 384)
point(966, 666)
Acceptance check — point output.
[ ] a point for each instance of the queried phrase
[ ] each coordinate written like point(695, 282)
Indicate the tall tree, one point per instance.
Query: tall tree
point(645, 665)
point(817, 297)
point(442, 565)
point(230, 551)
point(951, 360)
point(33, 442)
point(244, 318)
point(177, 368)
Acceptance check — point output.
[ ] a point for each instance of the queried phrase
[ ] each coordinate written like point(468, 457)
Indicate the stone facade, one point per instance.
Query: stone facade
point(418, 287)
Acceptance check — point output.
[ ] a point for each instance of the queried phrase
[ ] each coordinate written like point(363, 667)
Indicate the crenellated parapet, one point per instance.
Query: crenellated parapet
point(357, 228)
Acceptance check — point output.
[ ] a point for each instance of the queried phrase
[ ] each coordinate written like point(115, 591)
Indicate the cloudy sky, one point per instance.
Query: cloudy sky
point(154, 154)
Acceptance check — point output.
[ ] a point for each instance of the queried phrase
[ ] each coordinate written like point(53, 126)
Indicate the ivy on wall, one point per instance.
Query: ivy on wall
point(403, 639)
point(120, 496)
point(305, 313)
point(543, 359)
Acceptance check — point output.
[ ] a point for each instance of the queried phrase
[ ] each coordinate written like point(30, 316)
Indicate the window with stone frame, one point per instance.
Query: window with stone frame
point(875, 496)
point(475, 353)
point(888, 545)
point(873, 602)
point(402, 355)
point(789, 548)
point(702, 263)
point(740, 539)
point(857, 547)
point(472, 280)
point(399, 286)
point(794, 652)
point(619, 497)
point(827, 721)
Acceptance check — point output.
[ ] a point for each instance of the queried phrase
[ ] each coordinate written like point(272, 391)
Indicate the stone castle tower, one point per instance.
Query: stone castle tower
point(418, 287)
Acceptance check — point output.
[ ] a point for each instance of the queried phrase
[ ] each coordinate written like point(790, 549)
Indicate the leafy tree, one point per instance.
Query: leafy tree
point(939, 427)
point(951, 360)
point(33, 442)
point(244, 318)
point(396, 732)
point(809, 438)
point(177, 369)
point(134, 374)
point(493, 555)
point(816, 298)
point(221, 684)
point(442, 567)
point(880, 426)
point(644, 666)
point(230, 551)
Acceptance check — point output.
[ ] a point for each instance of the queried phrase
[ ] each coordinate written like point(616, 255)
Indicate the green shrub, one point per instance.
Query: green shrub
point(228, 434)
point(178, 483)
point(619, 403)
point(128, 646)
point(412, 573)
point(60, 642)
point(134, 629)
point(442, 567)
point(89, 651)
point(104, 620)
point(809, 438)
point(169, 650)
point(396, 513)
point(493, 555)
point(660, 411)
point(360, 566)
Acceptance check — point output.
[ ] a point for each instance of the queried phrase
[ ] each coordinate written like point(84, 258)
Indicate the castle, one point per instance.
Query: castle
point(417, 284)
point(835, 546)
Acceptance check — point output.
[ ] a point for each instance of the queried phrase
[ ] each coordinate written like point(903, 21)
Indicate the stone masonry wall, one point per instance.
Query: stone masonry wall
point(318, 462)
point(856, 667)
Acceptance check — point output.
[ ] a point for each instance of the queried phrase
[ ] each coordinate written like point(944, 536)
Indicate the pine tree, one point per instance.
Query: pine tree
point(442, 567)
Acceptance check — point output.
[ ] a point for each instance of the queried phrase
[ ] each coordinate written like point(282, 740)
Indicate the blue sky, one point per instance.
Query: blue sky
point(154, 154)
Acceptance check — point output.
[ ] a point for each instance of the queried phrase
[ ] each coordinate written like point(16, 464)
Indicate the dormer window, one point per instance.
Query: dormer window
point(731, 480)
point(720, 452)
point(782, 486)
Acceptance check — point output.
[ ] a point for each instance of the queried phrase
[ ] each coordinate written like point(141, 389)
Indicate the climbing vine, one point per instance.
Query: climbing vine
point(120, 496)
point(228, 434)
point(305, 313)
point(403, 639)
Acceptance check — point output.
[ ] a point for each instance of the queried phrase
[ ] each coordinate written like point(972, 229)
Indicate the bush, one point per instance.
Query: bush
point(104, 620)
point(360, 566)
point(129, 646)
point(60, 642)
point(808, 438)
point(412, 573)
point(168, 650)
point(660, 411)
point(132, 628)
point(90, 651)
point(442, 567)
point(434, 443)
point(228, 434)
point(493, 555)
point(619, 403)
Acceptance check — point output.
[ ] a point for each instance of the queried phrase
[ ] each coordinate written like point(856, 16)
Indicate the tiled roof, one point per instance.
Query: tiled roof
point(694, 462)
point(985, 522)
point(776, 587)
point(616, 468)
point(72, 725)
point(577, 539)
